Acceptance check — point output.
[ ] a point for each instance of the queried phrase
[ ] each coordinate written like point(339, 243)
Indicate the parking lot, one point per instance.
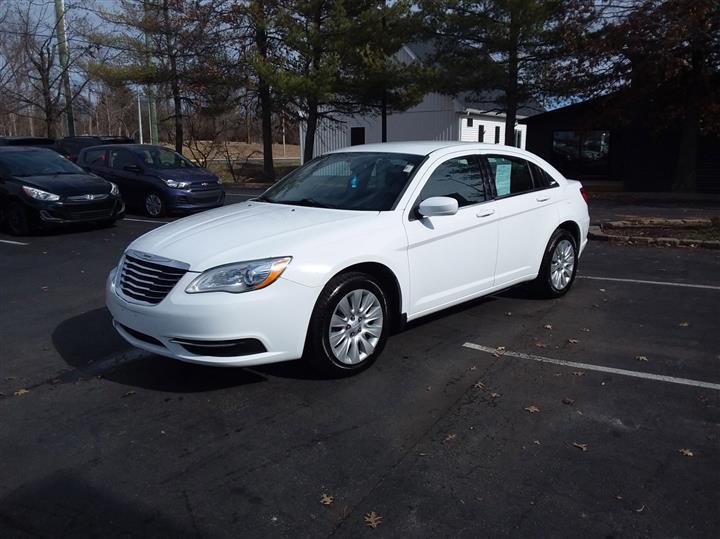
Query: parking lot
point(597, 414)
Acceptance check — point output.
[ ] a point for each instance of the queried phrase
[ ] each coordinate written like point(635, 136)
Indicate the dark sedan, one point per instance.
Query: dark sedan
point(155, 179)
point(39, 187)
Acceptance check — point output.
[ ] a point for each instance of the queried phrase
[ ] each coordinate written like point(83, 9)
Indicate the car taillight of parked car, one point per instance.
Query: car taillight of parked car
point(584, 195)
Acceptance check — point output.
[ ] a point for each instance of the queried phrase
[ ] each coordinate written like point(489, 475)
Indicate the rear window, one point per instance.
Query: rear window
point(96, 158)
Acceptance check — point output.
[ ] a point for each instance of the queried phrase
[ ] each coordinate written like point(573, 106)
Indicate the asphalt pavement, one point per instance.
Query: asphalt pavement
point(596, 414)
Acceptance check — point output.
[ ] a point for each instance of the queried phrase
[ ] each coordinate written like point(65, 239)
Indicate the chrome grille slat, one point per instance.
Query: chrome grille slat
point(149, 281)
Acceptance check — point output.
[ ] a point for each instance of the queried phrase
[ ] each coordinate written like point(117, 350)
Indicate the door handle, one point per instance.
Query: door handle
point(543, 199)
point(485, 213)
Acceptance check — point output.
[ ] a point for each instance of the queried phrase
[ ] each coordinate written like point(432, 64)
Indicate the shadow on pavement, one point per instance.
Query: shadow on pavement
point(88, 338)
point(63, 504)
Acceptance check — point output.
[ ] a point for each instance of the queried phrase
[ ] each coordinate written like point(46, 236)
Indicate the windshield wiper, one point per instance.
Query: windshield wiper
point(310, 202)
point(262, 198)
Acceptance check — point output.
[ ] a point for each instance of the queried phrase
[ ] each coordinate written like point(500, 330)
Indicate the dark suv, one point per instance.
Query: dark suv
point(70, 147)
point(155, 179)
point(28, 141)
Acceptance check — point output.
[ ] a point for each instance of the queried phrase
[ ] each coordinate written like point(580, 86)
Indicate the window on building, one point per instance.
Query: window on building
point(481, 133)
point(511, 175)
point(470, 122)
point(497, 134)
point(459, 178)
point(591, 146)
point(357, 136)
point(518, 138)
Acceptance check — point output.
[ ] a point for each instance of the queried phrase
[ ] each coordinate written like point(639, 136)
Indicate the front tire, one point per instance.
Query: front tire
point(154, 204)
point(559, 266)
point(18, 221)
point(349, 325)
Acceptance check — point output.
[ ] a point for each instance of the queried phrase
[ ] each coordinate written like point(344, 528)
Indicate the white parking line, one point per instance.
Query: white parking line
point(641, 281)
point(14, 242)
point(589, 367)
point(146, 221)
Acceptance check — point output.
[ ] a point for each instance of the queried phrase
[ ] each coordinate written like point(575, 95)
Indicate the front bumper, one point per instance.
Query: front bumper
point(62, 213)
point(187, 201)
point(276, 316)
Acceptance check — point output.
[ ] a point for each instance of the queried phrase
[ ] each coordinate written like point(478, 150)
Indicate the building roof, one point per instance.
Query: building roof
point(418, 147)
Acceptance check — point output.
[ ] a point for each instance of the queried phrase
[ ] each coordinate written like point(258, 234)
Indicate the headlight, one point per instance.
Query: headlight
point(176, 185)
point(38, 194)
point(114, 189)
point(240, 277)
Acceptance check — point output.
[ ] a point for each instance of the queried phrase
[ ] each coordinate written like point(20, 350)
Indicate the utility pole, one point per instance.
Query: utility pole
point(64, 64)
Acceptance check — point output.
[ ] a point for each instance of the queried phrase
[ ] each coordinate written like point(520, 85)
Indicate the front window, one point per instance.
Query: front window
point(369, 181)
point(36, 163)
point(162, 158)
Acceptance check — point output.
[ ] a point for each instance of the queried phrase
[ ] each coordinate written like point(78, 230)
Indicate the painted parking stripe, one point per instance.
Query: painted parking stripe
point(600, 368)
point(14, 242)
point(641, 281)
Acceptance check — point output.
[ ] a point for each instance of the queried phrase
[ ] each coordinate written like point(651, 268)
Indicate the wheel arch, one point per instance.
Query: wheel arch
point(388, 282)
point(573, 228)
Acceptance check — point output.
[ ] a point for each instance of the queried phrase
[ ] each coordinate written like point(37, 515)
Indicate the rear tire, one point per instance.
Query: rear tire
point(349, 326)
point(154, 204)
point(559, 266)
point(18, 221)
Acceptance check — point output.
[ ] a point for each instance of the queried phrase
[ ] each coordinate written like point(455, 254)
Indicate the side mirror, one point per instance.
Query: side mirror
point(132, 168)
point(433, 206)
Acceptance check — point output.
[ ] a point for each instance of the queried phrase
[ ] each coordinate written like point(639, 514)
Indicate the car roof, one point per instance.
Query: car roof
point(422, 147)
point(124, 146)
point(11, 148)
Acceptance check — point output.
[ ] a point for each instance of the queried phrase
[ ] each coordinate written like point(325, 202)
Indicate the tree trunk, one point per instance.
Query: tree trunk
point(174, 82)
point(310, 129)
point(687, 158)
point(511, 91)
point(266, 104)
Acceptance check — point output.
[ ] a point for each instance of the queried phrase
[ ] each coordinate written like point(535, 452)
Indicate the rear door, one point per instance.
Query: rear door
point(95, 161)
point(132, 186)
point(527, 215)
point(451, 257)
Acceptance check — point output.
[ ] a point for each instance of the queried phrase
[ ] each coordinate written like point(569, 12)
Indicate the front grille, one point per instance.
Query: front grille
point(84, 198)
point(90, 214)
point(148, 281)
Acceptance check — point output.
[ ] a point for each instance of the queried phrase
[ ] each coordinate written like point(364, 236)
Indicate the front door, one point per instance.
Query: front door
point(451, 257)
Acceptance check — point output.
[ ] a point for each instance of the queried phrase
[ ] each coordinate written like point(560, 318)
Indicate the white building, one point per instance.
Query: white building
point(437, 117)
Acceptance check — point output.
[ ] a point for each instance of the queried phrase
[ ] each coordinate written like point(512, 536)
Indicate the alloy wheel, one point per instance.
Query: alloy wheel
point(562, 264)
point(153, 205)
point(355, 327)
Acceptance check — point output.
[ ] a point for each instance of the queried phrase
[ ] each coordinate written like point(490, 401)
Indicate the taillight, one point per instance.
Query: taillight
point(584, 195)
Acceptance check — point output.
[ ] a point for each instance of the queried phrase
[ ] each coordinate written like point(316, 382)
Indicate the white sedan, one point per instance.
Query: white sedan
point(332, 259)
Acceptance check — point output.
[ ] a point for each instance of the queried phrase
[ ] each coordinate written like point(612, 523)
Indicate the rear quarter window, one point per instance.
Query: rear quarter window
point(95, 158)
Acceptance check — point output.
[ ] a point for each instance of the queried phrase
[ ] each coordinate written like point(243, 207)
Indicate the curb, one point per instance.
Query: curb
point(596, 233)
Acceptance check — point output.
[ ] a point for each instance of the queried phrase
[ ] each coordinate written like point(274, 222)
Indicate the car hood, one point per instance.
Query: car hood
point(186, 174)
point(245, 231)
point(67, 185)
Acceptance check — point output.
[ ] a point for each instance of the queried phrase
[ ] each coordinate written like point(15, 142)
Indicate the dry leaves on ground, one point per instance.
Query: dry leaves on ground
point(548, 326)
point(326, 499)
point(586, 330)
point(21, 392)
point(569, 402)
point(578, 373)
point(641, 358)
point(686, 452)
point(494, 395)
point(532, 409)
point(450, 436)
point(581, 447)
point(573, 341)
point(541, 345)
point(372, 519)
point(684, 324)
point(500, 350)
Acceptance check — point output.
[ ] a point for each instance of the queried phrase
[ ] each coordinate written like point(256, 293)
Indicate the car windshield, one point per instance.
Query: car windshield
point(370, 181)
point(163, 158)
point(39, 162)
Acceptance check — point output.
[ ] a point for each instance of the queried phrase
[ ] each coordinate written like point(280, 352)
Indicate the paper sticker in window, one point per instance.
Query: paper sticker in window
point(502, 179)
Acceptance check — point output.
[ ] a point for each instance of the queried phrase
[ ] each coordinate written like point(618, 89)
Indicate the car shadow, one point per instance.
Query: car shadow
point(65, 504)
point(89, 344)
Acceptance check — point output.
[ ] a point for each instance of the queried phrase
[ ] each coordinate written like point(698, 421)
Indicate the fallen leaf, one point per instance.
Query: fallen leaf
point(428, 388)
point(686, 452)
point(602, 290)
point(326, 499)
point(536, 442)
point(578, 373)
point(494, 395)
point(21, 392)
point(479, 385)
point(541, 345)
point(640, 510)
point(548, 326)
point(618, 497)
point(569, 402)
point(372, 519)
point(508, 313)
point(473, 368)
point(586, 330)
point(641, 358)
point(450, 436)
point(683, 324)
point(129, 393)
point(500, 350)
point(573, 341)
point(581, 447)
point(532, 409)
